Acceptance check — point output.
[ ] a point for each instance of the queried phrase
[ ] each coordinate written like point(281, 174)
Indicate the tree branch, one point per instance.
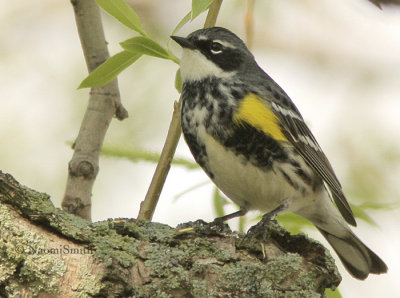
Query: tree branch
point(46, 252)
point(212, 15)
point(104, 103)
point(148, 206)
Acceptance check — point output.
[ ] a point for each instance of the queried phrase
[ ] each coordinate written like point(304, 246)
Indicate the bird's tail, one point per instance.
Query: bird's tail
point(356, 257)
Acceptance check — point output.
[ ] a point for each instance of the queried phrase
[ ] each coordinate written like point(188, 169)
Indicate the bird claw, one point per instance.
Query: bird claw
point(217, 226)
point(263, 226)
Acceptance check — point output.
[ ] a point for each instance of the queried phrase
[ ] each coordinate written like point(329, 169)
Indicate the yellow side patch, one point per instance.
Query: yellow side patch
point(253, 111)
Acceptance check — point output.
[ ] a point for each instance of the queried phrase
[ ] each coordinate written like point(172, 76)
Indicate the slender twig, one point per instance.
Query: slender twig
point(149, 204)
point(249, 23)
point(147, 207)
point(212, 15)
point(104, 103)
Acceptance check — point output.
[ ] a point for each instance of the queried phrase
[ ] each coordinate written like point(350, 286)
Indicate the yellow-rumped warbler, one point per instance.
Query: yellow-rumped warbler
point(253, 143)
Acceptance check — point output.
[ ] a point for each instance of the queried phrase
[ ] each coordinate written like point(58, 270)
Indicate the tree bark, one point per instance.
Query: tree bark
point(104, 103)
point(46, 252)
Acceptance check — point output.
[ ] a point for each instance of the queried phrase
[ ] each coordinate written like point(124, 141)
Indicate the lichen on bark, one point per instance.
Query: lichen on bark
point(126, 257)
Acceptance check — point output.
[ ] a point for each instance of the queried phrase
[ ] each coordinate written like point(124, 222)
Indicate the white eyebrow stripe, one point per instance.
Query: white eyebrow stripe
point(224, 43)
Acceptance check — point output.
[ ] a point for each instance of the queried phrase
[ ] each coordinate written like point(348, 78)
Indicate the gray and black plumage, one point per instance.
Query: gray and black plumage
point(251, 140)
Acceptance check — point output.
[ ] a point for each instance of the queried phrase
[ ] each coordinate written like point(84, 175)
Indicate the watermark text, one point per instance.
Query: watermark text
point(65, 249)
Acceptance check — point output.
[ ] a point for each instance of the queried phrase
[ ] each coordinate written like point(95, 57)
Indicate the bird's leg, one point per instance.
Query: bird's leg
point(219, 221)
point(224, 218)
point(217, 225)
point(263, 225)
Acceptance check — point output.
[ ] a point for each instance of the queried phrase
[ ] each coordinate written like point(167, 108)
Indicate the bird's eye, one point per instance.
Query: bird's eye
point(216, 48)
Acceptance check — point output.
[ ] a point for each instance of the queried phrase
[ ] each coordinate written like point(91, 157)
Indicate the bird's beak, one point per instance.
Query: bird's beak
point(183, 42)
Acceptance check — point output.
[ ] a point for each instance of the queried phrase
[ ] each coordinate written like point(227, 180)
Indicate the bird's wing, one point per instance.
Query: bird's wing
point(299, 135)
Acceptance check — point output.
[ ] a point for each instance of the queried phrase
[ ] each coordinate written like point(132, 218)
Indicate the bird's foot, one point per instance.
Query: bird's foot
point(262, 227)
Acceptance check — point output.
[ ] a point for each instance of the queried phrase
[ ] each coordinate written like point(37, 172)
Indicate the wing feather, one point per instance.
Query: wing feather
point(297, 132)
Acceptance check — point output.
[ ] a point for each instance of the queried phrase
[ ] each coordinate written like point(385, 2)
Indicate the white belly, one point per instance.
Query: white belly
point(244, 183)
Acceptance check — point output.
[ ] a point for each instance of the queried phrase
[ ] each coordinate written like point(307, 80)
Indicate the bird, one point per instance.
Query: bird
point(253, 143)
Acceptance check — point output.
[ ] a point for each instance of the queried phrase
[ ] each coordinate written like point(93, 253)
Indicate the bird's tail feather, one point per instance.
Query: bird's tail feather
point(356, 257)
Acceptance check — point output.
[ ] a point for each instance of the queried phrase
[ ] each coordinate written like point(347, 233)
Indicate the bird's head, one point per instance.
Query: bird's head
point(211, 52)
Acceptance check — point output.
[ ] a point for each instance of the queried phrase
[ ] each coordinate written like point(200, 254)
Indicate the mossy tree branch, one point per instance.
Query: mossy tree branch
point(47, 252)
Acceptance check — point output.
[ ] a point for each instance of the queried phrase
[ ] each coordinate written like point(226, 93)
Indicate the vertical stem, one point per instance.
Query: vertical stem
point(212, 15)
point(104, 103)
point(149, 204)
point(249, 23)
point(147, 207)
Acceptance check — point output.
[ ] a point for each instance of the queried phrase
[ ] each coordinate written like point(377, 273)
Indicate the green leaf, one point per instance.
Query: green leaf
point(185, 19)
point(198, 6)
point(178, 81)
point(107, 71)
point(219, 202)
point(120, 10)
point(333, 294)
point(378, 206)
point(359, 211)
point(293, 223)
point(194, 187)
point(136, 155)
point(242, 223)
point(361, 214)
point(147, 46)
